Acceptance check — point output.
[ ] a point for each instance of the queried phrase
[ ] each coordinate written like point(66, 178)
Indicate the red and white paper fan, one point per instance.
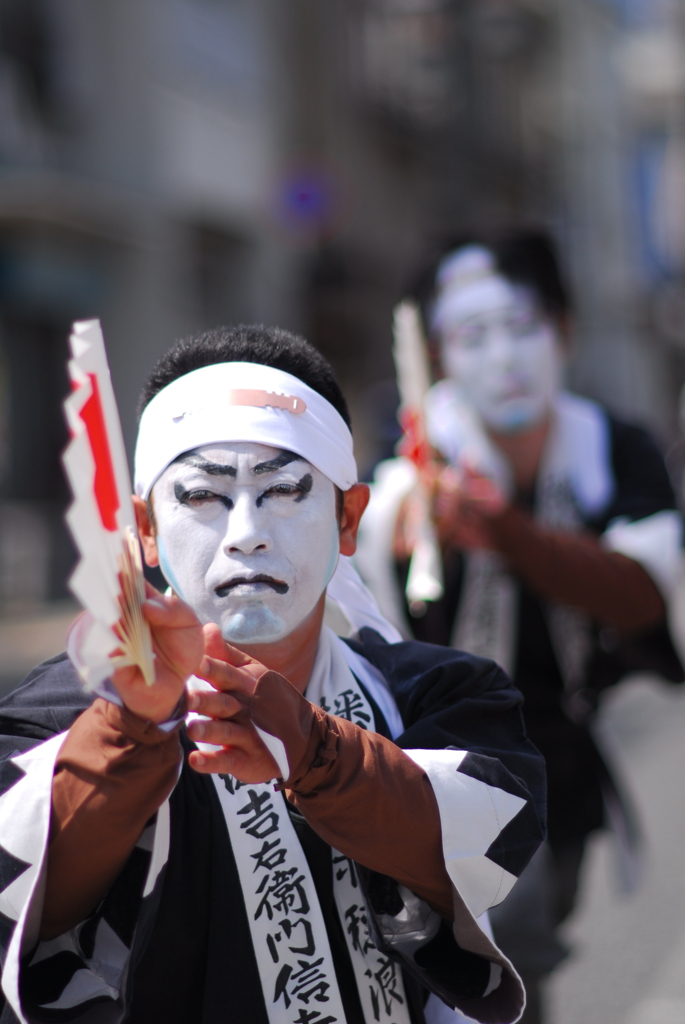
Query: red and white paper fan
point(108, 581)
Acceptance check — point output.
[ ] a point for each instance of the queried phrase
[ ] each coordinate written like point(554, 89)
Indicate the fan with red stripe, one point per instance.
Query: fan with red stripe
point(108, 580)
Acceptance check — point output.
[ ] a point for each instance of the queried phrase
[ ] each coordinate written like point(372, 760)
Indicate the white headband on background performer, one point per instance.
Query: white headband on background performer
point(249, 402)
point(467, 267)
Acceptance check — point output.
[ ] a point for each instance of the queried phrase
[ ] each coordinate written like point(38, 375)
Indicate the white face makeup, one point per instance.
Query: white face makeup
point(247, 534)
point(502, 352)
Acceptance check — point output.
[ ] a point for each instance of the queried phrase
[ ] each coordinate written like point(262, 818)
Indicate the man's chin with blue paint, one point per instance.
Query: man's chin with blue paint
point(248, 536)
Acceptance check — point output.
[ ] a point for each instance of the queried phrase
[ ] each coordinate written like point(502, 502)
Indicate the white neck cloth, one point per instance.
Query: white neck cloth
point(209, 406)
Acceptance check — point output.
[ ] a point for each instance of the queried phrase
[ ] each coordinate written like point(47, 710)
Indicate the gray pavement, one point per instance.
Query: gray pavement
point(628, 965)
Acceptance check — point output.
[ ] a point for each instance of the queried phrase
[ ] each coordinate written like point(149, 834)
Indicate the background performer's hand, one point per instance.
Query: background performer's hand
point(464, 504)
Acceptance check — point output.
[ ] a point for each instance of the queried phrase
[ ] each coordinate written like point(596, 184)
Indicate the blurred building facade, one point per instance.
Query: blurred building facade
point(169, 165)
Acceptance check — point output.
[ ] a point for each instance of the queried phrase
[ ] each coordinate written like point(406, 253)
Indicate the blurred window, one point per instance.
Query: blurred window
point(401, 57)
point(218, 45)
point(47, 60)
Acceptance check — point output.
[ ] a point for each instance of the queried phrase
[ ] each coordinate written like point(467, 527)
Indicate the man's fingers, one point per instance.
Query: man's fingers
point(483, 493)
point(225, 677)
point(168, 611)
point(216, 647)
point(236, 762)
point(124, 677)
point(214, 703)
point(222, 732)
point(157, 613)
point(238, 750)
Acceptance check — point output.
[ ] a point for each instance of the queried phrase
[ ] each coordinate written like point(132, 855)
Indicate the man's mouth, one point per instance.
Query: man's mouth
point(510, 392)
point(252, 581)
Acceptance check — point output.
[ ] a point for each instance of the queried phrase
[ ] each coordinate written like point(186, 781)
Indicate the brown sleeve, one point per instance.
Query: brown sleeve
point(359, 791)
point(573, 569)
point(114, 770)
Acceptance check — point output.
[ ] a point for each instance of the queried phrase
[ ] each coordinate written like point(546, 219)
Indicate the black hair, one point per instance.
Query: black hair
point(252, 343)
point(524, 256)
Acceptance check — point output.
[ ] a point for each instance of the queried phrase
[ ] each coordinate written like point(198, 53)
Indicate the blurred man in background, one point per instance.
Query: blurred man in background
point(560, 545)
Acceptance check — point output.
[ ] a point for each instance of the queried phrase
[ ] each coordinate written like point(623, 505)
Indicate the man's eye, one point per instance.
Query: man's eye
point(469, 336)
point(283, 489)
point(301, 489)
point(523, 325)
point(200, 497)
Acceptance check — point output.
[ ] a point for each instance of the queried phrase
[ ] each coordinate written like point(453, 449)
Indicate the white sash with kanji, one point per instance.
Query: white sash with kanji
point(287, 926)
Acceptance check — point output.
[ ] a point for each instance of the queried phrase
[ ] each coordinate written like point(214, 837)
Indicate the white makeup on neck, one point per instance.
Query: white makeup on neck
point(498, 348)
point(248, 535)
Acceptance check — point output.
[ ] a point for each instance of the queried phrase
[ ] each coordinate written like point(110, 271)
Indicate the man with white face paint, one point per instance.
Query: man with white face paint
point(317, 842)
point(560, 546)
point(237, 523)
point(496, 344)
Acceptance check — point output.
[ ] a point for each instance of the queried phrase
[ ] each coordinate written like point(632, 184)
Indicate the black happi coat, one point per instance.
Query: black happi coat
point(191, 959)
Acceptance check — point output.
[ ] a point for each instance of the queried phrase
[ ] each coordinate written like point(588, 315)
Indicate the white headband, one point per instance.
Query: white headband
point(228, 402)
point(462, 269)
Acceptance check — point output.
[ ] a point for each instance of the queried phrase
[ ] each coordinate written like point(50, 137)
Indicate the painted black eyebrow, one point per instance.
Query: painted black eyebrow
point(305, 485)
point(211, 468)
point(278, 462)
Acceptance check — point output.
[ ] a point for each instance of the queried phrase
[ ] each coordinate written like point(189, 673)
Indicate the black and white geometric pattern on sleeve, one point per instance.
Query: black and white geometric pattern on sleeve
point(483, 811)
point(63, 978)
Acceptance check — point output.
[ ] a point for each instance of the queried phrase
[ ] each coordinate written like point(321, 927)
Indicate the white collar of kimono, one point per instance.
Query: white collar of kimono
point(228, 402)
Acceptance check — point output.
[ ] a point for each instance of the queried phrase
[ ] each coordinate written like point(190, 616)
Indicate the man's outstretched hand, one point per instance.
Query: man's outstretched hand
point(234, 676)
point(183, 648)
point(178, 643)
